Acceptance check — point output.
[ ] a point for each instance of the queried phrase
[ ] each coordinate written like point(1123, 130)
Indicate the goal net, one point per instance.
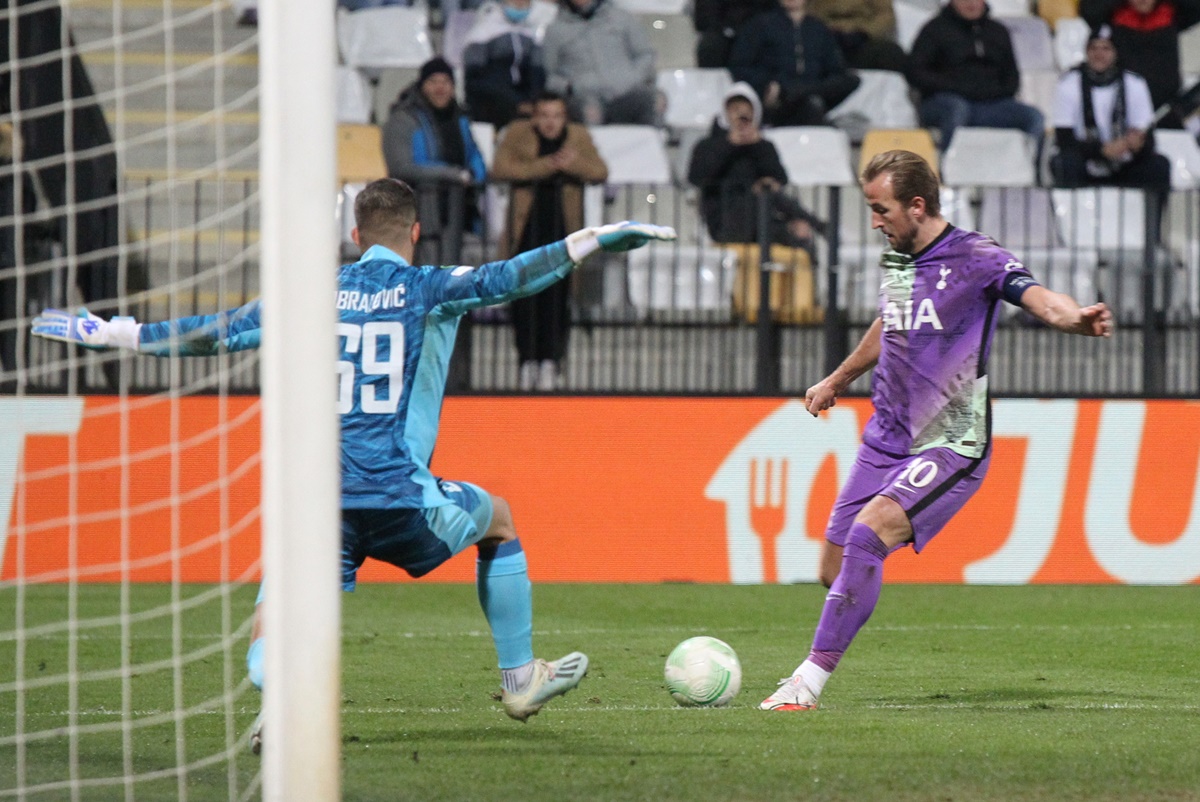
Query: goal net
point(132, 487)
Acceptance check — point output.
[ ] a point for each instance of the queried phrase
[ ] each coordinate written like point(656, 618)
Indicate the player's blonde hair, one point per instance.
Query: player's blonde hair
point(912, 177)
point(385, 211)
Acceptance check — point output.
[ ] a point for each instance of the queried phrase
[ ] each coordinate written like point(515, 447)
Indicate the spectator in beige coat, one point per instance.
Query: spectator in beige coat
point(548, 160)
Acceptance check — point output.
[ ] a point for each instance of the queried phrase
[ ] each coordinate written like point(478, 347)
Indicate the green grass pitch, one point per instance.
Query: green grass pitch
point(949, 693)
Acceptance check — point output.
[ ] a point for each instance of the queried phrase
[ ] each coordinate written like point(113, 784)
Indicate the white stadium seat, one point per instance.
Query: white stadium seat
point(385, 37)
point(1181, 148)
point(354, 99)
point(1101, 217)
point(635, 154)
point(693, 95)
point(911, 16)
point(654, 6)
point(677, 277)
point(814, 156)
point(1070, 42)
point(997, 157)
point(1033, 43)
point(881, 98)
point(1010, 8)
point(673, 37)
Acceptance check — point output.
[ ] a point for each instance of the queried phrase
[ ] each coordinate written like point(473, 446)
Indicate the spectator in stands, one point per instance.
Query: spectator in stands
point(548, 160)
point(598, 56)
point(963, 65)
point(503, 59)
point(1146, 35)
point(793, 62)
point(1102, 119)
point(427, 142)
point(865, 30)
point(733, 166)
point(717, 23)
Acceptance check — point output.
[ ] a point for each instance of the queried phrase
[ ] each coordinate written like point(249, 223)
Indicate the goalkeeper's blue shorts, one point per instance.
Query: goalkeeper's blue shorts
point(415, 540)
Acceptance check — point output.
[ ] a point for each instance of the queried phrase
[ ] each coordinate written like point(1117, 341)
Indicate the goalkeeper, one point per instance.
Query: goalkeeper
point(396, 327)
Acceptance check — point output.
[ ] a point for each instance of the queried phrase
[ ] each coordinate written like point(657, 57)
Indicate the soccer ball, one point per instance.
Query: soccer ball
point(703, 672)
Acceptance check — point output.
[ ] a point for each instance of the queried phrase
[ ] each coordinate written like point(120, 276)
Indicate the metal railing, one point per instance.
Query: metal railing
point(692, 316)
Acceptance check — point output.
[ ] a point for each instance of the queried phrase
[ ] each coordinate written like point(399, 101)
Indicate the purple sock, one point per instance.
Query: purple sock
point(852, 598)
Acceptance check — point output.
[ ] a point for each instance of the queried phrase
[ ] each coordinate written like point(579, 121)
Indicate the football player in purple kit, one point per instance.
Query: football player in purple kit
point(926, 449)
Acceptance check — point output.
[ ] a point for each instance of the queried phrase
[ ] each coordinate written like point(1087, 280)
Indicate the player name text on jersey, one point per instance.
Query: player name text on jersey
point(392, 298)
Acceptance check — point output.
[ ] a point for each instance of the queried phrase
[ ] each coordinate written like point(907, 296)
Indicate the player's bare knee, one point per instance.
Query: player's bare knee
point(502, 528)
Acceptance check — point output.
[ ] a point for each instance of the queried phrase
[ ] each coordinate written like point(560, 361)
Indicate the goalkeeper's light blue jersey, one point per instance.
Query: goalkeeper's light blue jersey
point(396, 329)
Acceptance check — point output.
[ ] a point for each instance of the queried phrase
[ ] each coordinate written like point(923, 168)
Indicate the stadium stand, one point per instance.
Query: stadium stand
point(1033, 43)
point(813, 156)
point(379, 38)
point(1054, 10)
point(354, 98)
point(635, 154)
point(910, 17)
point(454, 36)
point(654, 6)
point(1183, 151)
point(882, 99)
point(1010, 8)
point(693, 95)
point(1070, 40)
point(918, 140)
point(680, 277)
point(673, 38)
point(991, 157)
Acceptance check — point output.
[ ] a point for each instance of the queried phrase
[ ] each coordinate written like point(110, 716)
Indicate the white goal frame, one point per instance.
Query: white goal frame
point(301, 473)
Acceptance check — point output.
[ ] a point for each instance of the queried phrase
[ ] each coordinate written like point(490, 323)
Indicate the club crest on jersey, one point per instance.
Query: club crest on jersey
point(896, 318)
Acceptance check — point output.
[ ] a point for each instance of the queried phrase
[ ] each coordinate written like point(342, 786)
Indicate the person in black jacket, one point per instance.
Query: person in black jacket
point(794, 63)
point(733, 165)
point(1146, 35)
point(717, 22)
point(963, 65)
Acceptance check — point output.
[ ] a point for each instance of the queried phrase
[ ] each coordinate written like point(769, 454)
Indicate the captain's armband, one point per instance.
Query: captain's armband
point(1015, 285)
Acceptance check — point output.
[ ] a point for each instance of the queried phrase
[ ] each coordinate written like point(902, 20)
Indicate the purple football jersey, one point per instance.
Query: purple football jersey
point(939, 312)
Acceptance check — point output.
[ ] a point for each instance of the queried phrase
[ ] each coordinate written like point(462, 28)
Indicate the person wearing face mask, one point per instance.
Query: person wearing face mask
point(1102, 120)
point(503, 59)
point(598, 56)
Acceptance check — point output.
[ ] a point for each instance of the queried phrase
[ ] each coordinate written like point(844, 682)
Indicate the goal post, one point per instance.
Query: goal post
point(300, 436)
point(160, 159)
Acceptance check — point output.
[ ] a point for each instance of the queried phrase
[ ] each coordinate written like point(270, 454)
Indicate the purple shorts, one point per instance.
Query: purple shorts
point(931, 487)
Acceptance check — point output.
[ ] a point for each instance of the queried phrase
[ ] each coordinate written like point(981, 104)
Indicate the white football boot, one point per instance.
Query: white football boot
point(792, 694)
point(549, 680)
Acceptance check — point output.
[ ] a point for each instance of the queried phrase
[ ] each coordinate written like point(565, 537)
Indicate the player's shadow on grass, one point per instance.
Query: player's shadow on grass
point(1025, 697)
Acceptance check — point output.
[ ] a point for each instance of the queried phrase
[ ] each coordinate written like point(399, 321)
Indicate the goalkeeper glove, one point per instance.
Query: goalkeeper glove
point(87, 329)
point(615, 238)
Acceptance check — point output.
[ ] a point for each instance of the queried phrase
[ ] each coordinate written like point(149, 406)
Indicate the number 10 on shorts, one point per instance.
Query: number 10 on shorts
point(918, 473)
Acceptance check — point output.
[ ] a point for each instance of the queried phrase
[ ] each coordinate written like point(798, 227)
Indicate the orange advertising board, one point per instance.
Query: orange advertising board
point(615, 490)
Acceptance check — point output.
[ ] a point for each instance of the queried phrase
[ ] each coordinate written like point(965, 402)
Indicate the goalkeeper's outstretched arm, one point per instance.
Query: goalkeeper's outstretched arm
point(201, 335)
point(531, 272)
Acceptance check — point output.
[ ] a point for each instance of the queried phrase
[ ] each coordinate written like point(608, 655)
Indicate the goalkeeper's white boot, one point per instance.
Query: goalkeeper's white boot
point(792, 694)
point(256, 735)
point(549, 680)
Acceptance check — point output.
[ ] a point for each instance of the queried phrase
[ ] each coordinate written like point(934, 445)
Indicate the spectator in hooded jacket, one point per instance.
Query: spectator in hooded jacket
point(503, 59)
point(963, 65)
point(794, 63)
point(1146, 35)
point(598, 56)
point(733, 166)
point(427, 142)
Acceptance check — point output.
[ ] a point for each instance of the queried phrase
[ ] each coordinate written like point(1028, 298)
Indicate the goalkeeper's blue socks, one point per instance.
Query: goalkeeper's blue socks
point(506, 596)
point(254, 661)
